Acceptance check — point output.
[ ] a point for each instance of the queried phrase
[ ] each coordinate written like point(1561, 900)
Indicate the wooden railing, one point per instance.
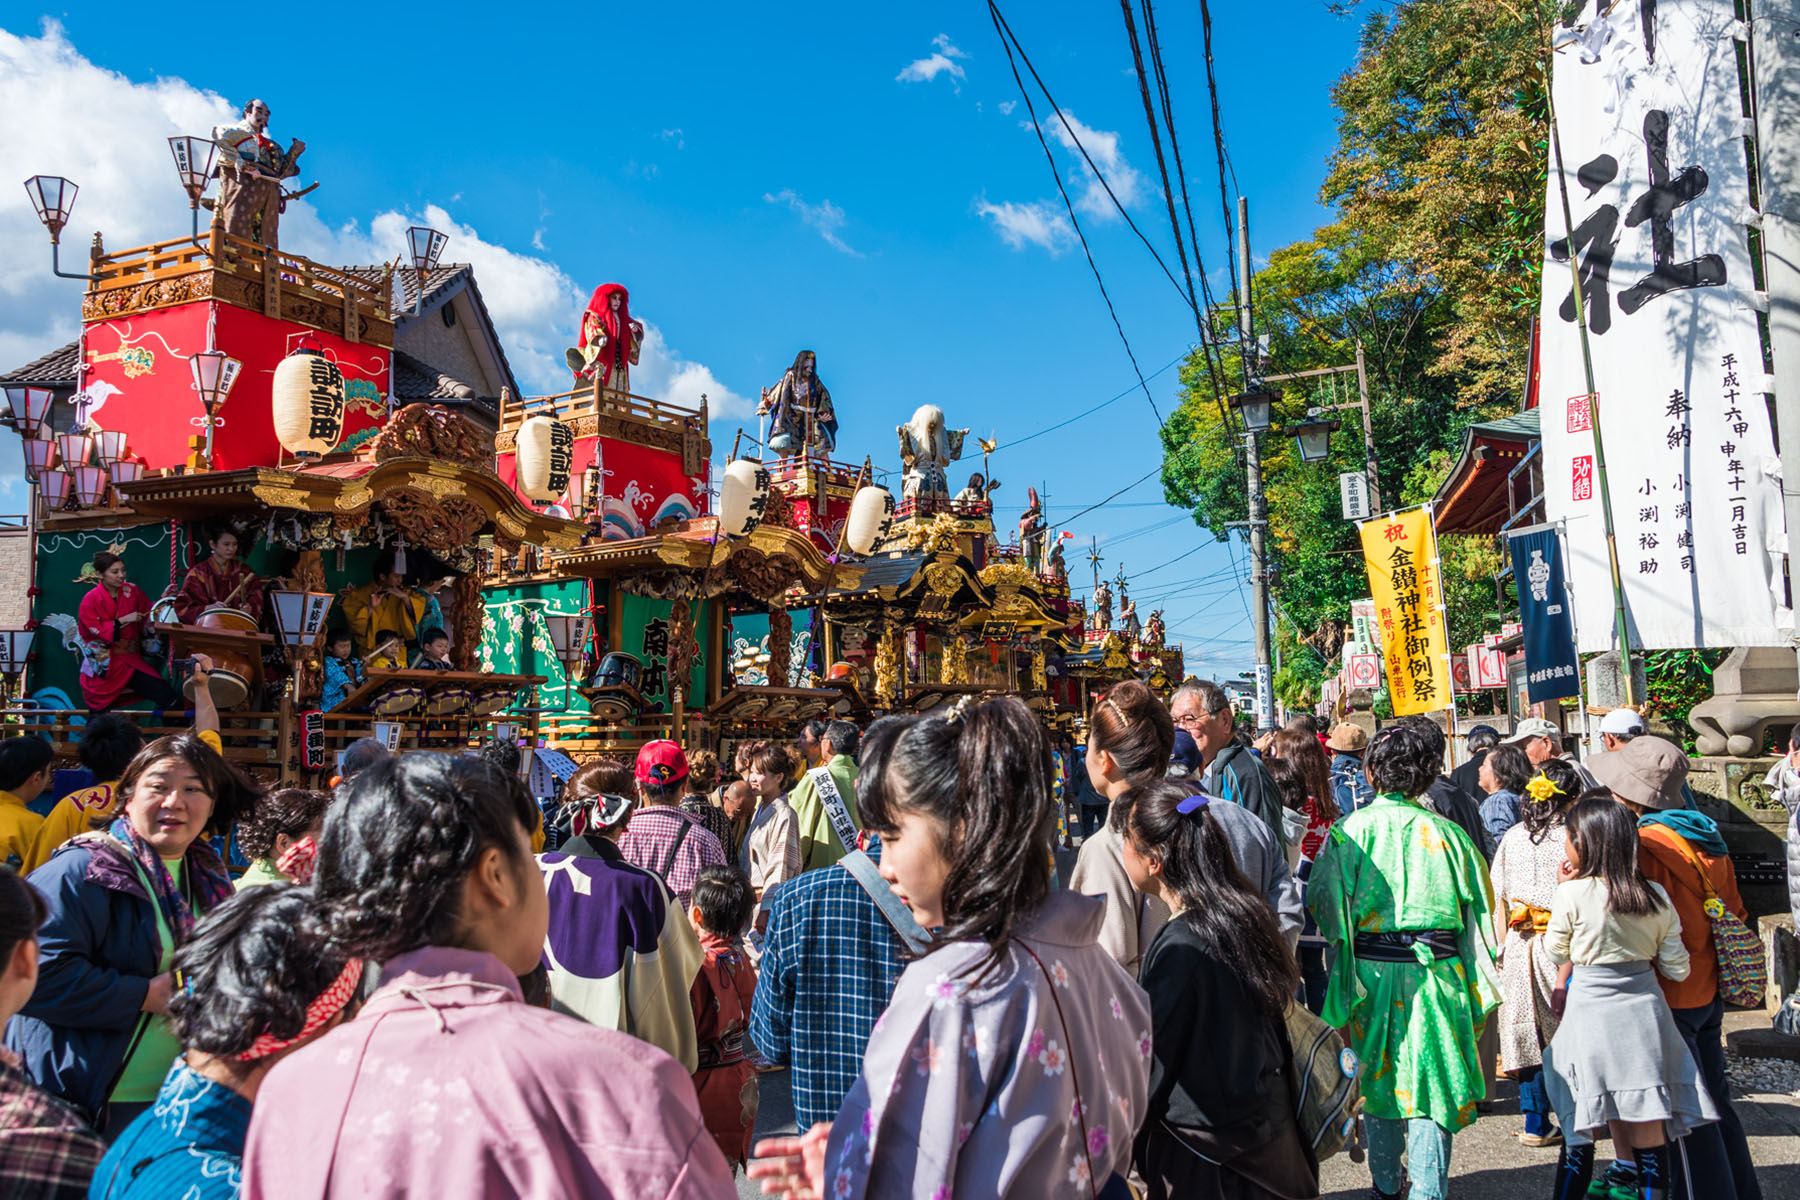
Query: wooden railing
point(592, 401)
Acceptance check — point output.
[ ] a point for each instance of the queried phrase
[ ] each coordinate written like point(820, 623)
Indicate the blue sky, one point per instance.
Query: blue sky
point(846, 178)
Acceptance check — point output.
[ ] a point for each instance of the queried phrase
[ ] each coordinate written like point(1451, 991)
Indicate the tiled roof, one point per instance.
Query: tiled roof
point(437, 281)
point(57, 367)
point(1519, 425)
point(886, 572)
point(415, 380)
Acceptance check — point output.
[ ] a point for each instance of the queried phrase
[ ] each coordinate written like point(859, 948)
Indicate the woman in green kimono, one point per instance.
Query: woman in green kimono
point(1402, 898)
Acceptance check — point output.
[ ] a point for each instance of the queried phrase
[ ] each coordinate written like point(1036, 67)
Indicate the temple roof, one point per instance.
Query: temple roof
point(55, 369)
point(1476, 497)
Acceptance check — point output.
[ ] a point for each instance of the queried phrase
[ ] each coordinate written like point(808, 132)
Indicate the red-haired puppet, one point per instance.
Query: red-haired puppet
point(610, 339)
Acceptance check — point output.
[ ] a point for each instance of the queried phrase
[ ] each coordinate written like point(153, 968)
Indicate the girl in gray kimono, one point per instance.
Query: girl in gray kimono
point(1014, 1058)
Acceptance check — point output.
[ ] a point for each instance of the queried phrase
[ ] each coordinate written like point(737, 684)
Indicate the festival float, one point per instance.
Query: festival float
point(307, 472)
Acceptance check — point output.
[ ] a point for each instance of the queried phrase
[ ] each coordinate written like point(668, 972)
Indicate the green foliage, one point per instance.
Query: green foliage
point(1431, 265)
point(1678, 680)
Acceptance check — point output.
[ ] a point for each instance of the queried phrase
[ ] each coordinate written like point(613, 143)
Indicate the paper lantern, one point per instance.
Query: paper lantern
point(743, 497)
point(546, 452)
point(90, 485)
point(308, 401)
point(127, 470)
point(55, 485)
point(39, 454)
point(871, 515)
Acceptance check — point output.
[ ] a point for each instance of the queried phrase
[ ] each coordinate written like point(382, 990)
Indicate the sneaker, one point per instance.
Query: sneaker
point(1618, 1183)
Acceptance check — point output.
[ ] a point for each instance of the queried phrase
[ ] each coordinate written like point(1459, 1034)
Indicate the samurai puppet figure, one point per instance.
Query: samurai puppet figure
point(610, 340)
point(801, 407)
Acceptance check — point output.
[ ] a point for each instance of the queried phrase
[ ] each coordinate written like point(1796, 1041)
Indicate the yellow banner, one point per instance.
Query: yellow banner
point(1400, 552)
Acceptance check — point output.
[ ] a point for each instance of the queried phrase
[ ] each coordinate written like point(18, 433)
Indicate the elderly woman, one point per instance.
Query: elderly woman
point(122, 900)
point(1402, 896)
point(1525, 873)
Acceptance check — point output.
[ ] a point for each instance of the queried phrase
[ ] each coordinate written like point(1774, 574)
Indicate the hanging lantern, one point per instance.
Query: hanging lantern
point(743, 496)
point(546, 452)
point(871, 515)
point(39, 454)
point(29, 407)
point(74, 448)
point(127, 470)
point(308, 400)
point(56, 490)
point(109, 447)
point(90, 485)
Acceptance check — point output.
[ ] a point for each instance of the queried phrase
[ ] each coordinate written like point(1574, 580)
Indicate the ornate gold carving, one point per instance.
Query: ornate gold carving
point(682, 648)
point(353, 497)
point(1113, 651)
point(437, 525)
point(509, 525)
point(956, 659)
point(941, 535)
point(765, 576)
point(158, 293)
point(428, 431)
point(437, 485)
point(1007, 575)
point(944, 578)
point(1010, 605)
point(781, 647)
point(887, 665)
point(276, 496)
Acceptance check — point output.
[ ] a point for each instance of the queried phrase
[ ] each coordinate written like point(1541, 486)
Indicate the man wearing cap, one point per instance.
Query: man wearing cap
point(1676, 846)
point(661, 838)
point(621, 954)
point(1349, 786)
point(1541, 741)
point(824, 801)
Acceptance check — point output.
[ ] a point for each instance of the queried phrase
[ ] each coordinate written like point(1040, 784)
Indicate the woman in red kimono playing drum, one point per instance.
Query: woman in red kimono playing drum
point(112, 619)
point(219, 578)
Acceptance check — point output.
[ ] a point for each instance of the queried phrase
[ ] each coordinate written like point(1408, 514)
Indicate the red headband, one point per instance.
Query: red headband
point(325, 1006)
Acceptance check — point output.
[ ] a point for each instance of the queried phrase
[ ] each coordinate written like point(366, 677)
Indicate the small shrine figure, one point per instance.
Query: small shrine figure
point(977, 490)
point(1154, 633)
point(1031, 530)
point(251, 168)
point(800, 406)
point(926, 448)
point(219, 579)
point(1059, 568)
point(1102, 607)
point(1128, 615)
point(610, 340)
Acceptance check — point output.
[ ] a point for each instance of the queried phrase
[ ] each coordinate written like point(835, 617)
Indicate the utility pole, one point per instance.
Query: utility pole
point(1777, 95)
point(1259, 560)
point(1361, 402)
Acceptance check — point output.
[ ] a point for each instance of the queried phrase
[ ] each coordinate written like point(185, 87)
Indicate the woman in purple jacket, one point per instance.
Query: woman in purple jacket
point(446, 1084)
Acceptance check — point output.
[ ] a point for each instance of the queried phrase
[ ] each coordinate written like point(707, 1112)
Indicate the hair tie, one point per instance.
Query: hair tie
point(1194, 807)
point(1542, 788)
point(957, 710)
point(326, 1005)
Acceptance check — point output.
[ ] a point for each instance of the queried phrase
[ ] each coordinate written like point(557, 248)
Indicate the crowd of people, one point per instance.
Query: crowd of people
point(428, 982)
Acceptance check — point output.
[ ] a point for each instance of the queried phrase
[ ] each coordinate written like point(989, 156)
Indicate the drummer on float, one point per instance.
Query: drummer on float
point(219, 580)
point(384, 612)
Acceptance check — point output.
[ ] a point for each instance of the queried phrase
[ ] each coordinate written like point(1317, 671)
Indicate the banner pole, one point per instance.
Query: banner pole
point(1437, 567)
point(1562, 545)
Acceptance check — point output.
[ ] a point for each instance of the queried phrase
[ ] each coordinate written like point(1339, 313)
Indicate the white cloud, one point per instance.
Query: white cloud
point(665, 374)
point(676, 136)
point(1007, 106)
point(1103, 148)
point(109, 134)
point(941, 61)
point(825, 217)
point(1039, 223)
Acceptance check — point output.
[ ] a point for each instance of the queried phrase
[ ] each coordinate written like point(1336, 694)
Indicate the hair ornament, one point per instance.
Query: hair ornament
point(959, 709)
point(1542, 788)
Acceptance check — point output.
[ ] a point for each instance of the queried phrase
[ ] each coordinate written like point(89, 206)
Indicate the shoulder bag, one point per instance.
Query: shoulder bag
point(1743, 972)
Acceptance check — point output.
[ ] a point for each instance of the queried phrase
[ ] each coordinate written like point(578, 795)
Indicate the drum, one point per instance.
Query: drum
point(452, 701)
point(163, 612)
point(398, 700)
point(618, 668)
point(495, 697)
point(221, 616)
point(229, 688)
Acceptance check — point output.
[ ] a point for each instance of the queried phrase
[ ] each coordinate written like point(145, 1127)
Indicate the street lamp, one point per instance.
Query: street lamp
point(29, 406)
point(214, 373)
point(194, 166)
point(54, 198)
point(1314, 439)
point(1256, 409)
point(568, 634)
point(426, 245)
point(15, 653)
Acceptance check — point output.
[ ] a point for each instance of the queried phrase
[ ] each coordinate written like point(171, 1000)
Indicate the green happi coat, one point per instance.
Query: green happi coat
point(1392, 866)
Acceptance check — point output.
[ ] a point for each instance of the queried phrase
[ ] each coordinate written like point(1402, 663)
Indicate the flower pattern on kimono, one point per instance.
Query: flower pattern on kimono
point(1144, 1045)
point(1081, 1173)
point(944, 991)
point(1053, 1058)
point(1098, 1140)
point(1059, 974)
point(1118, 1010)
point(927, 1058)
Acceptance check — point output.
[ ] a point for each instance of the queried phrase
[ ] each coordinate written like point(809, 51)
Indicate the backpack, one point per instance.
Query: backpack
point(1323, 1074)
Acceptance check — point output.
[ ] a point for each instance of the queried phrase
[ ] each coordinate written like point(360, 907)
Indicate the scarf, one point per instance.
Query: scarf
point(212, 885)
point(1692, 825)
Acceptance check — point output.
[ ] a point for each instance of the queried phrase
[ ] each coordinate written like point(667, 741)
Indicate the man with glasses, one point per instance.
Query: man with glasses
point(1232, 770)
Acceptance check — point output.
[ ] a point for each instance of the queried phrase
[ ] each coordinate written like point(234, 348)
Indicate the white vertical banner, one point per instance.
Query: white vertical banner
point(1651, 129)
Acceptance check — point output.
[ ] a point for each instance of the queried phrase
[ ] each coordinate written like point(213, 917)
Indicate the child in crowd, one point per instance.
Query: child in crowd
point(25, 766)
point(434, 652)
point(257, 982)
point(721, 995)
point(446, 1083)
point(282, 837)
point(1617, 1062)
point(343, 670)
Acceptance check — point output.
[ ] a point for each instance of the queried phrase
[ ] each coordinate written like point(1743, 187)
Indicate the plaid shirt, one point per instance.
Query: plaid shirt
point(649, 837)
point(830, 961)
point(46, 1150)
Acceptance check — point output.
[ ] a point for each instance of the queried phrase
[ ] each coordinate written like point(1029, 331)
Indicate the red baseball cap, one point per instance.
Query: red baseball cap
point(661, 762)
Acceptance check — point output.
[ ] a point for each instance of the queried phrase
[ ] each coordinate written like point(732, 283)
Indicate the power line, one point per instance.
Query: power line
point(1218, 130)
point(1163, 370)
point(1162, 169)
point(1008, 43)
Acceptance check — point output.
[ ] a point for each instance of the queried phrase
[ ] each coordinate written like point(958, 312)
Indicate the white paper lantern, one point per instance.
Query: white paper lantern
point(743, 497)
point(871, 515)
point(546, 452)
point(308, 400)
